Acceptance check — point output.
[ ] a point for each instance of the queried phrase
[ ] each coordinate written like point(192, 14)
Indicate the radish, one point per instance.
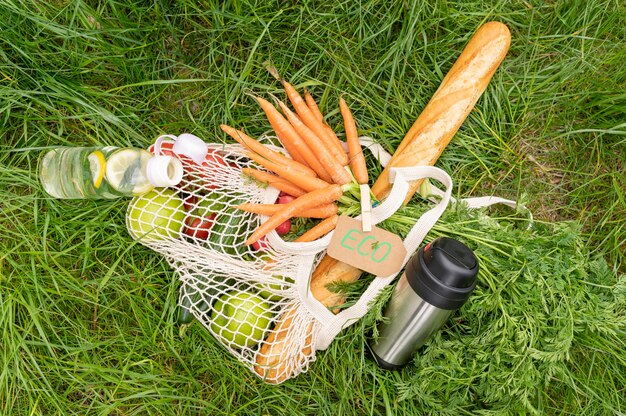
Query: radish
point(284, 228)
point(285, 199)
point(260, 245)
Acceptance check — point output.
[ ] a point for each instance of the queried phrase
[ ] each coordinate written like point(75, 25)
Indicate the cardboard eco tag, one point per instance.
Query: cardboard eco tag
point(378, 252)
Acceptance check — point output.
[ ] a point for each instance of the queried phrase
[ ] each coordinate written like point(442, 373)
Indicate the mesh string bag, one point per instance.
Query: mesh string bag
point(244, 296)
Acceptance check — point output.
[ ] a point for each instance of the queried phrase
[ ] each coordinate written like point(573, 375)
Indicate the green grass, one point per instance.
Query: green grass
point(88, 316)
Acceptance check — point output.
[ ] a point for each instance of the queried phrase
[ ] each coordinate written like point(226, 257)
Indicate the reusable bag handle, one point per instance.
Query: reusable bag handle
point(400, 177)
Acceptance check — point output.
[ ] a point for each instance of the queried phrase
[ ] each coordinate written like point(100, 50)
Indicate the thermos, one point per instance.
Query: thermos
point(437, 281)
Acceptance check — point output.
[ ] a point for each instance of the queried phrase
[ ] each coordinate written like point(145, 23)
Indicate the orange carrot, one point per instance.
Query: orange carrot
point(293, 152)
point(247, 141)
point(330, 164)
point(314, 124)
point(323, 211)
point(308, 183)
point(322, 196)
point(319, 230)
point(289, 135)
point(357, 160)
point(310, 102)
point(275, 181)
point(330, 131)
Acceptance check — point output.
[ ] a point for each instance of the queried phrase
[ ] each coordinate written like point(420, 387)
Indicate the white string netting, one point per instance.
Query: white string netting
point(237, 292)
point(256, 301)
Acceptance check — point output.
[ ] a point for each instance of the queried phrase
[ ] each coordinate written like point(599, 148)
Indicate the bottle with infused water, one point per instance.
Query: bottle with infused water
point(105, 172)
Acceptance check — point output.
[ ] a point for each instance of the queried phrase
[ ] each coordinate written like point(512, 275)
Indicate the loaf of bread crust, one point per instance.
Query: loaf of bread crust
point(277, 359)
point(451, 103)
point(422, 145)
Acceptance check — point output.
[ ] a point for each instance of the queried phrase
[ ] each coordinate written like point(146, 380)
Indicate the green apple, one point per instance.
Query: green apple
point(241, 319)
point(156, 215)
point(273, 287)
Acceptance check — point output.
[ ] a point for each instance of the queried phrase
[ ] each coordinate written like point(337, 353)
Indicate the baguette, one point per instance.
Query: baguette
point(450, 105)
point(275, 361)
point(422, 145)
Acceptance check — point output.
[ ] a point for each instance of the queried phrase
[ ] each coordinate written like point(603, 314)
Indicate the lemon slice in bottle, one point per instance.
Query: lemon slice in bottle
point(126, 171)
point(97, 166)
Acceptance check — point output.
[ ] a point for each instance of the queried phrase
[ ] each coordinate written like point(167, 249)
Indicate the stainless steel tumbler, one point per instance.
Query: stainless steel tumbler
point(436, 282)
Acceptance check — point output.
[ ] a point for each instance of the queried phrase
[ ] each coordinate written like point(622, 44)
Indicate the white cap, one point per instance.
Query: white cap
point(191, 146)
point(164, 171)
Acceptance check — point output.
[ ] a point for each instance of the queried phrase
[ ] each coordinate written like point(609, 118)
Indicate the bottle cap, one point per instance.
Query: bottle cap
point(164, 171)
point(191, 146)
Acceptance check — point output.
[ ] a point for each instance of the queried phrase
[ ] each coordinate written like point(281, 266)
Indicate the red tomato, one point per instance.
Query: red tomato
point(205, 171)
point(166, 148)
point(189, 202)
point(214, 158)
point(197, 227)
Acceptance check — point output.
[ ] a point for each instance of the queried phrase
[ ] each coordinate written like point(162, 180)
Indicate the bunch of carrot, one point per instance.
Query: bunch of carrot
point(317, 170)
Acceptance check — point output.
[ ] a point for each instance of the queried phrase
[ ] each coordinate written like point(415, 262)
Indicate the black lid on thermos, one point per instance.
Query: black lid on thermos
point(437, 280)
point(443, 273)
